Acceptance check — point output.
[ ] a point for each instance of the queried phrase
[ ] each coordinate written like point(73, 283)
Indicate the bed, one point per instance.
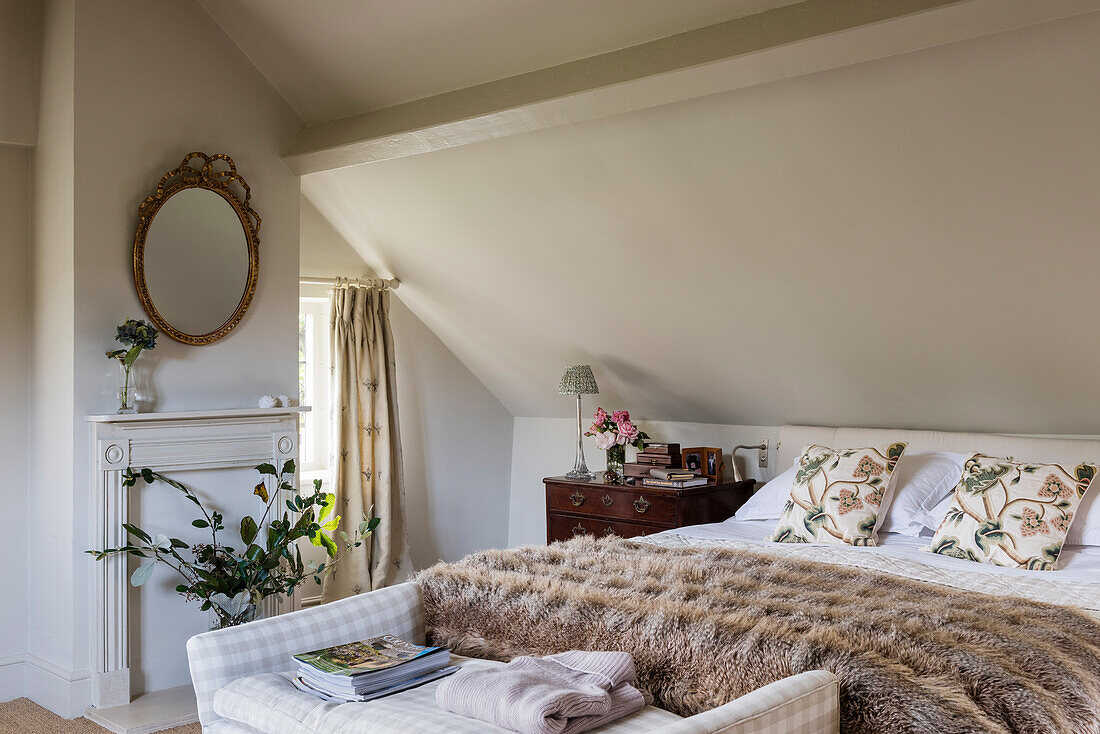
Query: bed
point(920, 642)
point(1076, 580)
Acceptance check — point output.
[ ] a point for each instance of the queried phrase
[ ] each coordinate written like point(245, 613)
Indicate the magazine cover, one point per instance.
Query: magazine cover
point(376, 653)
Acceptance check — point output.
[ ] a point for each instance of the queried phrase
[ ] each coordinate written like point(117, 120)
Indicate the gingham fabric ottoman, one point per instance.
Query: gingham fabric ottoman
point(242, 683)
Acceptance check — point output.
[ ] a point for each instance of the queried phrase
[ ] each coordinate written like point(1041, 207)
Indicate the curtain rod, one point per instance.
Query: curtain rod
point(384, 283)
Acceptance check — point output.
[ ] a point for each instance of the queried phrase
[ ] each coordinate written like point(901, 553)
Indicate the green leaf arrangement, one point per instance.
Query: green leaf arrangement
point(234, 583)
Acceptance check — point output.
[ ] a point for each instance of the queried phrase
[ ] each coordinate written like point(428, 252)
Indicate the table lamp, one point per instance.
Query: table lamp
point(578, 380)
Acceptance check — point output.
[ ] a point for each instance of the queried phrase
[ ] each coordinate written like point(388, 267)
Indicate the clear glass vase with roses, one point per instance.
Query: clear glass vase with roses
point(612, 433)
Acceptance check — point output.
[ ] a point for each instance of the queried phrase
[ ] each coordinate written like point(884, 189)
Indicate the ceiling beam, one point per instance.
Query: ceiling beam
point(785, 42)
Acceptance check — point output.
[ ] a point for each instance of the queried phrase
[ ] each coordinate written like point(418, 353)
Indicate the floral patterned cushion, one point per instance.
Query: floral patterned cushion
point(1012, 513)
point(839, 495)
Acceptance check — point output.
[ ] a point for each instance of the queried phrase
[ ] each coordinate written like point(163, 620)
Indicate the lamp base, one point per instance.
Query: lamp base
point(580, 468)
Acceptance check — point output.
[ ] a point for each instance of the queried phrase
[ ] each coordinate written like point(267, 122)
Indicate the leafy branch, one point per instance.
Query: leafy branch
point(234, 584)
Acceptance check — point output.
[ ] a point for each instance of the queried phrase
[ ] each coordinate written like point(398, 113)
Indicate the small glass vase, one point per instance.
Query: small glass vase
point(616, 457)
point(127, 389)
point(217, 622)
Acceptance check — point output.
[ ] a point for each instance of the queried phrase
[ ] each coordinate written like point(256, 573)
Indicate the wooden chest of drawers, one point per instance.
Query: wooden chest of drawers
point(594, 508)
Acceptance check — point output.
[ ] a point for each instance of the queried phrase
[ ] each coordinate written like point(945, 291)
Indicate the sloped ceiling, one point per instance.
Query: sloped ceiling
point(908, 242)
point(323, 252)
point(343, 57)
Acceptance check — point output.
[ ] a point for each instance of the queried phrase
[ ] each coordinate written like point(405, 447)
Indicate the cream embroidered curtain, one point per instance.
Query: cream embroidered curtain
point(366, 440)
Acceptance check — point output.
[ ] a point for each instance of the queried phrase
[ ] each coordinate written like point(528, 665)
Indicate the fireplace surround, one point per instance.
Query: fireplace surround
point(167, 443)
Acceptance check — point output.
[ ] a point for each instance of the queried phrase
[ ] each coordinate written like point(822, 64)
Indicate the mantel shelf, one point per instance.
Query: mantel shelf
point(184, 415)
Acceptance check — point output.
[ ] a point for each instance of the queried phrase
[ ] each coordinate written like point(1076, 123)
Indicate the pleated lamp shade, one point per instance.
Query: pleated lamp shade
point(578, 380)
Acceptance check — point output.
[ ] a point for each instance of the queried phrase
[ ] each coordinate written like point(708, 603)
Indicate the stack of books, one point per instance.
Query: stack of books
point(372, 668)
point(673, 479)
point(660, 454)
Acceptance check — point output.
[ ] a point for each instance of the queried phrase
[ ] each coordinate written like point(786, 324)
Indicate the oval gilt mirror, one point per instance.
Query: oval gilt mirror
point(196, 250)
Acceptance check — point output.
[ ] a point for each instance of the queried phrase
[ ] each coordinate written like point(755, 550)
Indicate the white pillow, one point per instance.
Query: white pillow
point(939, 512)
point(924, 479)
point(1085, 528)
point(767, 502)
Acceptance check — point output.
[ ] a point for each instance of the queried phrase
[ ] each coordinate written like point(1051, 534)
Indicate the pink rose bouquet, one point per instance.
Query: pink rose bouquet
point(615, 430)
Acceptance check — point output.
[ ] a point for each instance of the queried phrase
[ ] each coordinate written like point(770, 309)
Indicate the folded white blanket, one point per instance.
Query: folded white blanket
point(566, 693)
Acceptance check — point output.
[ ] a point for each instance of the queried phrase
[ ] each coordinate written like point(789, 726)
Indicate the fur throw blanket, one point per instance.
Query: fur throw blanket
point(706, 625)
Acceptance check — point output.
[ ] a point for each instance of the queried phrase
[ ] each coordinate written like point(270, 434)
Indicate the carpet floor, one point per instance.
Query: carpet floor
point(22, 716)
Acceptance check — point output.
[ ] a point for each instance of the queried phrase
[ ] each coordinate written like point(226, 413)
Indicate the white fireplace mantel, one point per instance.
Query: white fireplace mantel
point(164, 442)
point(242, 414)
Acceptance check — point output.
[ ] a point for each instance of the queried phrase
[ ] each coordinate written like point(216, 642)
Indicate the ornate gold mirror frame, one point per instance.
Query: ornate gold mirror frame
point(225, 182)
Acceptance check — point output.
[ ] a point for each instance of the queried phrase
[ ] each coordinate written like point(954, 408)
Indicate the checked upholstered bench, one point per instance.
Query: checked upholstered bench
point(242, 683)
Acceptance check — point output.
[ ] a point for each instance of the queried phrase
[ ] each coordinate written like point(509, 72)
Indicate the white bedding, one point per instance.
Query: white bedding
point(1075, 583)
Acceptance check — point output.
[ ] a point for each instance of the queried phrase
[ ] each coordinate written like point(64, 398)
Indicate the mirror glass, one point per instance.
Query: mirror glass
point(196, 260)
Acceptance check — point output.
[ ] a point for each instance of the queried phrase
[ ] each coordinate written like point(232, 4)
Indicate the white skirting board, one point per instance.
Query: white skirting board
point(64, 692)
point(148, 713)
point(13, 678)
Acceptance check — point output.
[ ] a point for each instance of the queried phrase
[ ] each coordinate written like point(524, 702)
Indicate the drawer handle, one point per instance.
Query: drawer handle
point(579, 530)
point(607, 500)
point(641, 505)
point(576, 498)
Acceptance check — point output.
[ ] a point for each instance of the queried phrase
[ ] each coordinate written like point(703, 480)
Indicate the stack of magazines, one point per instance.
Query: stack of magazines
point(361, 671)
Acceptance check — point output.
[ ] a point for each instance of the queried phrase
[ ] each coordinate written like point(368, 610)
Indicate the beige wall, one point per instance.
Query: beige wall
point(130, 87)
point(905, 242)
point(197, 92)
point(456, 437)
point(53, 606)
point(455, 440)
point(15, 249)
point(20, 41)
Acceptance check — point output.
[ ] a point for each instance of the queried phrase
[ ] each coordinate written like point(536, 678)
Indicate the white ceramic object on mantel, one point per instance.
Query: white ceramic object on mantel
point(267, 401)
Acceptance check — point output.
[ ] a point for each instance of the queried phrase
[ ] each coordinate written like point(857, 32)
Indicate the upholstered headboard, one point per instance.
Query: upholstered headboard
point(792, 439)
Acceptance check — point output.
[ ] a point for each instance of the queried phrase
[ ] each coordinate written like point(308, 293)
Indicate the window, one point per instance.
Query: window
point(314, 376)
point(314, 390)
